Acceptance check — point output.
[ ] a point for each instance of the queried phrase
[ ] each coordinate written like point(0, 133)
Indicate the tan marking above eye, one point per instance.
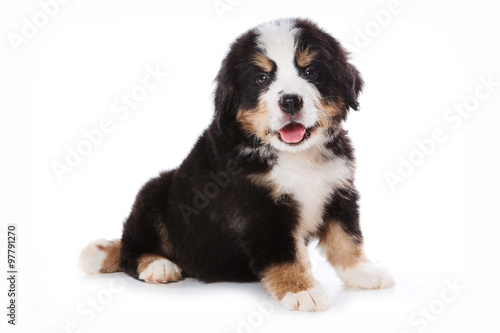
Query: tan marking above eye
point(262, 62)
point(304, 57)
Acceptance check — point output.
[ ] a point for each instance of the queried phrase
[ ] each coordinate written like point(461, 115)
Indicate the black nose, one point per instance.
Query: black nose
point(291, 103)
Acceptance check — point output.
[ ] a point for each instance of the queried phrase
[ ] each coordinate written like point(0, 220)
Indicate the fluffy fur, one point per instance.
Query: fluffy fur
point(273, 170)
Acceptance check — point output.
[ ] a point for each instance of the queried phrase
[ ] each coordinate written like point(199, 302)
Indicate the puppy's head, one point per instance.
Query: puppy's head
point(287, 83)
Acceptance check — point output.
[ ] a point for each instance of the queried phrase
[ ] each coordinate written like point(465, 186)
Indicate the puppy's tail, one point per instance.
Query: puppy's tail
point(101, 256)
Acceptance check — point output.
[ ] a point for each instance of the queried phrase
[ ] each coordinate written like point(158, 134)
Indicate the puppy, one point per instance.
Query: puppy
point(274, 170)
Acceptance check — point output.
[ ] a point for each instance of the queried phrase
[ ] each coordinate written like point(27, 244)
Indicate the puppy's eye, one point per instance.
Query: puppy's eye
point(311, 73)
point(261, 79)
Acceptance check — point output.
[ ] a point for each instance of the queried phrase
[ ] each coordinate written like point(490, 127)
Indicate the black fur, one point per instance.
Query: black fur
point(242, 230)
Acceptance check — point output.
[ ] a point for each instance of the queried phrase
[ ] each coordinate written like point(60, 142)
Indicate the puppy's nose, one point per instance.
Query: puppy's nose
point(291, 103)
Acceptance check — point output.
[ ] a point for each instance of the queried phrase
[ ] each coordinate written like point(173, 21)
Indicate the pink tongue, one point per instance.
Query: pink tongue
point(292, 133)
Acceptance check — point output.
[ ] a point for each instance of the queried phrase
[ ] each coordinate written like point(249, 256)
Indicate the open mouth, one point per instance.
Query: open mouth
point(294, 133)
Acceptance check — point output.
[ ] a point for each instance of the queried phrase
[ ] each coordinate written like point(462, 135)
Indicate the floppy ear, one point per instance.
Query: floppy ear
point(224, 97)
point(348, 77)
point(354, 85)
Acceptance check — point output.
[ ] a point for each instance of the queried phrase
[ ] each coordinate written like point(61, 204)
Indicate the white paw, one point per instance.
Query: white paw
point(313, 299)
point(366, 275)
point(161, 271)
point(93, 255)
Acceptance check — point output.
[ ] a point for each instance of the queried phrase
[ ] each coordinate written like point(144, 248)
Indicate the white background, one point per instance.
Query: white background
point(439, 226)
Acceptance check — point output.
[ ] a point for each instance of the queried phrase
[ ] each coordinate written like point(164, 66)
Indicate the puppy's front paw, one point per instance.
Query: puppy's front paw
point(312, 299)
point(366, 275)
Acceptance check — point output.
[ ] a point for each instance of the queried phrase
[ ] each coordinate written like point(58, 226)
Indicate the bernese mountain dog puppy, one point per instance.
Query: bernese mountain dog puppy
point(274, 170)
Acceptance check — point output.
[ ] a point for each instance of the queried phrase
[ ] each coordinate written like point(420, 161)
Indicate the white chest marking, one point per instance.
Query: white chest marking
point(311, 181)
